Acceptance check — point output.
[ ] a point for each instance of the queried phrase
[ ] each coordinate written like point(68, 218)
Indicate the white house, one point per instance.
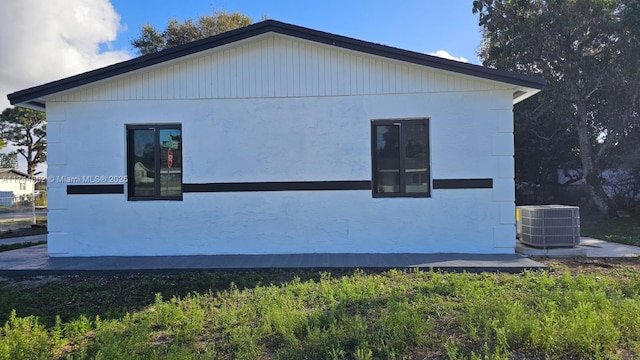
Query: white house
point(14, 186)
point(276, 138)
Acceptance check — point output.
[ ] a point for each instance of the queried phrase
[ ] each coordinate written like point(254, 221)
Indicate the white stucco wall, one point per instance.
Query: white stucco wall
point(285, 139)
point(280, 109)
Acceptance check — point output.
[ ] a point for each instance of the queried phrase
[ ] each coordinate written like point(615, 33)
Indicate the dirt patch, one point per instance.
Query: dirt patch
point(28, 282)
point(591, 265)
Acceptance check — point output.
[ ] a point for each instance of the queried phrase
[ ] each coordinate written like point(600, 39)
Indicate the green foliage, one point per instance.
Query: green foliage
point(24, 338)
point(176, 33)
point(586, 117)
point(393, 315)
point(8, 247)
point(26, 129)
point(41, 199)
point(571, 316)
point(26, 227)
point(10, 160)
point(149, 41)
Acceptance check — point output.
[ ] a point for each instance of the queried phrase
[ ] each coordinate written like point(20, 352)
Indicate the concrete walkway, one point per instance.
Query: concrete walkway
point(35, 261)
point(589, 247)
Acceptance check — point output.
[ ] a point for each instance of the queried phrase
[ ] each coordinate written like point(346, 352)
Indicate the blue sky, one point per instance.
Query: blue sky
point(419, 25)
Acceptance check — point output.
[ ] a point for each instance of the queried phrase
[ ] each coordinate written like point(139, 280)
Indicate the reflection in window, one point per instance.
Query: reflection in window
point(155, 162)
point(388, 158)
point(400, 158)
point(416, 160)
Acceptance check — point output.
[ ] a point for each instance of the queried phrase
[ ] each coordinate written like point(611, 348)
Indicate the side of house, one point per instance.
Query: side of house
point(282, 144)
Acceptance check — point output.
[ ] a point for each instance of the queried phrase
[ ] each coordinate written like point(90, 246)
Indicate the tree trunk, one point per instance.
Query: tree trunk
point(32, 169)
point(597, 195)
point(31, 164)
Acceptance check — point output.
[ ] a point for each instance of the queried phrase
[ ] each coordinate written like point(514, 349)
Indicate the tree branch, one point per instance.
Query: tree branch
point(37, 141)
point(596, 88)
point(546, 138)
point(540, 110)
point(22, 153)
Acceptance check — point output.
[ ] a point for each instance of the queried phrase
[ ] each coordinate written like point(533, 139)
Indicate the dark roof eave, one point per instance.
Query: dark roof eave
point(36, 105)
point(414, 57)
point(30, 94)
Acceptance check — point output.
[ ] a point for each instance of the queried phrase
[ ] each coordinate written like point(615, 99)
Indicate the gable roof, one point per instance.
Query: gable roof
point(34, 97)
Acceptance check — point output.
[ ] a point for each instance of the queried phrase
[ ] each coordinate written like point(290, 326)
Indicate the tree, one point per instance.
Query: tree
point(26, 129)
point(587, 50)
point(176, 33)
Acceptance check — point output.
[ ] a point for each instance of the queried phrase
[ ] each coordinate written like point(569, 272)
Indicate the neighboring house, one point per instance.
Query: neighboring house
point(276, 138)
point(14, 186)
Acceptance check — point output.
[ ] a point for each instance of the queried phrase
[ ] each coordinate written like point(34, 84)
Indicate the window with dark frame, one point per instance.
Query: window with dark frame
point(154, 162)
point(400, 158)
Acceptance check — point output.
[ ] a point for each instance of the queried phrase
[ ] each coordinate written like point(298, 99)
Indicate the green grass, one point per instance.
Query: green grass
point(15, 246)
point(619, 230)
point(311, 315)
point(583, 314)
point(23, 232)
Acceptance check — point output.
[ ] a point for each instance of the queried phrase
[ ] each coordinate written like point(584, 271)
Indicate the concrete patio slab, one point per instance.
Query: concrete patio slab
point(36, 261)
point(589, 247)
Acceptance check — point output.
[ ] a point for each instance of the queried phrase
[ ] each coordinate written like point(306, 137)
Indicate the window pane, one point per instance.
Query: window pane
point(144, 162)
point(416, 157)
point(170, 162)
point(387, 170)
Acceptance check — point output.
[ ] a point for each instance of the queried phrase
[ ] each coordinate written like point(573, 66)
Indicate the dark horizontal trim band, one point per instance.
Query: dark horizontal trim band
point(281, 186)
point(95, 189)
point(278, 186)
point(463, 183)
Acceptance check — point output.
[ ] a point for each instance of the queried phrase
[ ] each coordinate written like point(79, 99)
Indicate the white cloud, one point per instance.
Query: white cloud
point(43, 41)
point(445, 54)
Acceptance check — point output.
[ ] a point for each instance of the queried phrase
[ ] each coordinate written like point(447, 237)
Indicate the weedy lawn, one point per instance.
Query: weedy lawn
point(588, 310)
point(619, 230)
point(579, 309)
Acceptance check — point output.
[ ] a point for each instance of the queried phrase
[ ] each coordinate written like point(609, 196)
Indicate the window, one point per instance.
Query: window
point(400, 157)
point(23, 185)
point(154, 162)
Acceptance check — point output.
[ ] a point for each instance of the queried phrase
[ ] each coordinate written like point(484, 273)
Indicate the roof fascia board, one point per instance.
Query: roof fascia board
point(503, 84)
point(412, 57)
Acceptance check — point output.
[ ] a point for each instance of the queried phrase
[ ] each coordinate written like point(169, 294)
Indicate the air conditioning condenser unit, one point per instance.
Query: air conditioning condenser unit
point(549, 226)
